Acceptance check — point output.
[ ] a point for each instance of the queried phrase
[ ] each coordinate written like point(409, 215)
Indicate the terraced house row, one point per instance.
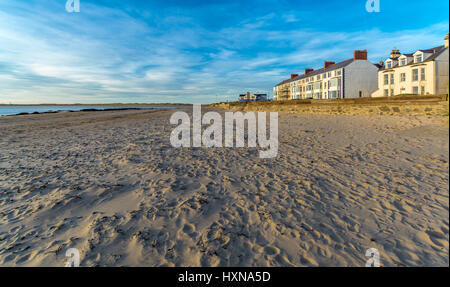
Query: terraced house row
point(421, 72)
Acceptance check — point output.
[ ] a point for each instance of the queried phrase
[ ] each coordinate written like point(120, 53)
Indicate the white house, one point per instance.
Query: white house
point(352, 78)
point(422, 72)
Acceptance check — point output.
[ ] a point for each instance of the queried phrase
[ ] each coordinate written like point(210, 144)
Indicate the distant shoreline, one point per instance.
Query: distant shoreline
point(128, 107)
point(104, 105)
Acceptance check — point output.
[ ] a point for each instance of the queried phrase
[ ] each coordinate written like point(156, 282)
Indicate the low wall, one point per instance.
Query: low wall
point(398, 105)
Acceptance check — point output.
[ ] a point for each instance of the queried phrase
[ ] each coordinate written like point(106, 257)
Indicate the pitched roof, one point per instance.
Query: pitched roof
point(432, 50)
point(379, 66)
point(436, 51)
point(319, 71)
point(283, 82)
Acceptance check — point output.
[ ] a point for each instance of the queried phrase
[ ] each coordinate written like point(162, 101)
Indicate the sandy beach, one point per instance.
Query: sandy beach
point(111, 185)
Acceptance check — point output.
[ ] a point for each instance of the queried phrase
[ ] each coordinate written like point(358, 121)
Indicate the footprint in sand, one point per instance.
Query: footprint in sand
point(189, 229)
point(271, 250)
point(438, 238)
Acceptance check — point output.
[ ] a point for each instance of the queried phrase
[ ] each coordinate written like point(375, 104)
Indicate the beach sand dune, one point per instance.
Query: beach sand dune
point(111, 185)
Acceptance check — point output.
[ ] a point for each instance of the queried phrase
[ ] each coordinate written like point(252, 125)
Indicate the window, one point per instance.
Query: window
point(386, 92)
point(402, 77)
point(329, 74)
point(386, 79)
point(389, 64)
point(422, 74)
point(333, 83)
point(403, 62)
point(324, 75)
point(422, 90)
point(415, 76)
point(415, 90)
point(318, 77)
point(419, 58)
point(392, 79)
point(338, 73)
point(392, 92)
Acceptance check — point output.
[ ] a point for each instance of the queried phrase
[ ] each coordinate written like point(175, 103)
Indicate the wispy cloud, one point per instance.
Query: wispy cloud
point(122, 53)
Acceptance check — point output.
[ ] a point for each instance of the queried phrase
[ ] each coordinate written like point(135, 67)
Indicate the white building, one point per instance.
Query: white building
point(352, 78)
point(252, 97)
point(422, 72)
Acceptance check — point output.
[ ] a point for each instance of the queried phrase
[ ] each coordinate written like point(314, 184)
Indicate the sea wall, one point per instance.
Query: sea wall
point(432, 105)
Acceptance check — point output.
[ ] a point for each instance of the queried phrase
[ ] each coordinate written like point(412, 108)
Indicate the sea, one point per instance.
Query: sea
point(8, 110)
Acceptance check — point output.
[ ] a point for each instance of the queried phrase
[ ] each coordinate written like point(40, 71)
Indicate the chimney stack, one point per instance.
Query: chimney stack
point(293, 76)
point(446, 41)
point(395, 54)
point(307, 71)
point(360, 55)
point(327, 64)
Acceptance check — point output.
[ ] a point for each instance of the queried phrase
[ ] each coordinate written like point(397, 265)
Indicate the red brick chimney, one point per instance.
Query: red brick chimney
point(327, 64)
point(395, 53)
point(294, 75)
point(307, 71)
point(360, 55)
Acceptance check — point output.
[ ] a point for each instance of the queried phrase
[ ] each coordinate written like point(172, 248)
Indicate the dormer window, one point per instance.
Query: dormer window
point(403, 62)
point(418, 58)
point(388, 64)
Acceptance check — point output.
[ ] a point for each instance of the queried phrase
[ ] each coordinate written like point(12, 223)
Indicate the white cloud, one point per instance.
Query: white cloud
point(104, 54)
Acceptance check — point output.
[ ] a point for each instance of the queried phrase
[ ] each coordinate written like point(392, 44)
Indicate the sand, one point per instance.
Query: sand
point(111, 185)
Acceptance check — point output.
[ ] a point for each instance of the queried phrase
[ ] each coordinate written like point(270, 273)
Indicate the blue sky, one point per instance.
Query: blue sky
point(192, 51)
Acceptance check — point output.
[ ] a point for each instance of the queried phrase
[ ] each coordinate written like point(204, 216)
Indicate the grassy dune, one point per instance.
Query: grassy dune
point(396, 105)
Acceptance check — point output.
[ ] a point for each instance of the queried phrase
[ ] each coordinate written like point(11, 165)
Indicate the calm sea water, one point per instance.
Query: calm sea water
point(14, 110)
